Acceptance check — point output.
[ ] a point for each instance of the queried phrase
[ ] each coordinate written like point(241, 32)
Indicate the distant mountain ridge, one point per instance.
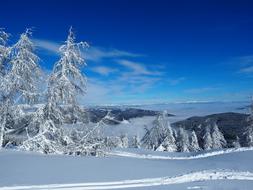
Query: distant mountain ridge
point(119, 114)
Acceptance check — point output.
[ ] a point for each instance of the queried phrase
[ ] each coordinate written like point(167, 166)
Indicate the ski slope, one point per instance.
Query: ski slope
point(224, 169)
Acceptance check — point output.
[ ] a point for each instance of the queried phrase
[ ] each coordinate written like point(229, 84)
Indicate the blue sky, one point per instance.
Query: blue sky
point(147, 51)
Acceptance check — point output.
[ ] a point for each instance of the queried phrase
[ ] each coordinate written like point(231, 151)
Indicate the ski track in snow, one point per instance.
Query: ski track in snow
point(186, 178)
point(197, 156)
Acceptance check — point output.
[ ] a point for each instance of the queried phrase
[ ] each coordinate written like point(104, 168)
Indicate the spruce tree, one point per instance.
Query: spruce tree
point(217, 137)
point(156, 135)
point(65, 83)
point(183, 143)
point(194, 145)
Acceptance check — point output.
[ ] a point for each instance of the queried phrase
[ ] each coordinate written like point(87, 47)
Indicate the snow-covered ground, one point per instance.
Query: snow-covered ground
point(227, 169)
point(134, 168)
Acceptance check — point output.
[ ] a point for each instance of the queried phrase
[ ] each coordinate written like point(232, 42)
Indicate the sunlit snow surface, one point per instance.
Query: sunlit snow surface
point(135, 168)
point(232, 169)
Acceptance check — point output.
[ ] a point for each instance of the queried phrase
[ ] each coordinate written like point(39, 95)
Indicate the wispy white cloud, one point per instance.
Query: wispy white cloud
point(93, 53)
point(50, 46)
point(247, 70)
point(98, 53)
point(137, 68)
point(243, 64)
point(102, 70)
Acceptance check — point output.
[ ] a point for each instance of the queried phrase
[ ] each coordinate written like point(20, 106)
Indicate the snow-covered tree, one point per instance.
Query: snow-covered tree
point(109, 142)
point(217, 137)
point(213, 137)
point(4, 65)
point(19, 73)
point(65, 83)
point(248, 132)
point(6, 110)
point(5, 118)
point(183, 143)
point(44, 132)
point(156, 135)
point(124, 141)
point(67, 80)
point(136, 142)
point(24, 73)
point(248, 135)
point(236, 143)
point(194, 145)
point(113, 142)
point(207, 139)
point(4, 53)
point(251, 110)
point(169, 143)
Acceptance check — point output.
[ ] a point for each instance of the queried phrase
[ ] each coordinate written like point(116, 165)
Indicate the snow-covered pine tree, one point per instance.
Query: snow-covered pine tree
point(236, 143)
point(3, 104)
point(6, 108)
point(124, 141)
point(67, 80)
point(183, 143)
point(6, 112)
point(217, 137)
point(169, 143)
point(19, 81)
point(156, 135)
point(44, 132)
point(4, 53)
point(65, 83)
point(136, 142)
point(251, 109)
point(194, 145)
point(207, 139)
point(248, 132)
point(248, 135)
point(109, 142)
point(24, 73)
point(4, 64)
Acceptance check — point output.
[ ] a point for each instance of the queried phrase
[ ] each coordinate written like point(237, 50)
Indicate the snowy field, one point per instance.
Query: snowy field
point(128, 169)
point(134, 168)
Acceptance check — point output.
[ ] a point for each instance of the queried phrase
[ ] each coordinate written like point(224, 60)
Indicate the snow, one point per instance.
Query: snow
point(153, 156)
point(206, 170)
point(186, 178)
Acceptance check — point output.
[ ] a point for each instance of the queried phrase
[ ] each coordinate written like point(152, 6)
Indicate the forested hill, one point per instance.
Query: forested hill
point(230, 124)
